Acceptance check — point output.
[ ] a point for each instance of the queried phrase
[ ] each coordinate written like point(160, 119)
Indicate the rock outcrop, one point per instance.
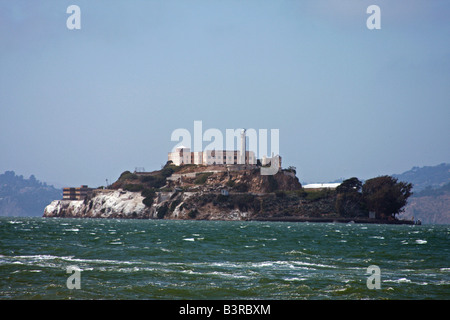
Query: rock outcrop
point(102, 204)
point(191, 206)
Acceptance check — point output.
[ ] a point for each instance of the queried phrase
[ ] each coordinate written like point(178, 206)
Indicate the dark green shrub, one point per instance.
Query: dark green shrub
point(167, 171)
point(146, 179)
point(156, 181)
point(243, 201)
point(230, 183)
point(149, 196)
point(193, 213)
point(148, 193)
point(174, 204)
point(241, 187)
point(148, 201)
point(133, 187)
point(280, 194)
point(273, 184)
point(202, 177)
point(301, 193)
point(221, 198)
point(319, 194)
point(127, 175)
point(162, 211)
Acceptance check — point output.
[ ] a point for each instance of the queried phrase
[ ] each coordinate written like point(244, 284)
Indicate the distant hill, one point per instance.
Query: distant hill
point(428, 176)
point(430, 201)
point(20, 197)
point(430, 206)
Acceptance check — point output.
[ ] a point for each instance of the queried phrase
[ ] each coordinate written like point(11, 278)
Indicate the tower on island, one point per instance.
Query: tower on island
point(243, 148)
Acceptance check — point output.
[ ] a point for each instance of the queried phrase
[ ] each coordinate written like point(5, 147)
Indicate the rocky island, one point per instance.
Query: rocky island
point(217, 192)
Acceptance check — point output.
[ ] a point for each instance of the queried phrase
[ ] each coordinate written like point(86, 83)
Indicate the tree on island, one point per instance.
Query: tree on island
point(349, 201)
point(385, 196)
point(349, 185)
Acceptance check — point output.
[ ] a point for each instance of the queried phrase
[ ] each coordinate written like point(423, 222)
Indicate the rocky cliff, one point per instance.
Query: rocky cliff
point(192, 205)
point(101, 204)
point(211, 193)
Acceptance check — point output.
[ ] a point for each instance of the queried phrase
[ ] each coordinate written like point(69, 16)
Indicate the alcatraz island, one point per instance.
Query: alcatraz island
point(228, 185)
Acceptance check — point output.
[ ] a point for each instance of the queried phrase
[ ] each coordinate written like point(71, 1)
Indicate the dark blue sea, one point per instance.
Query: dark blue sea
point(167, 259)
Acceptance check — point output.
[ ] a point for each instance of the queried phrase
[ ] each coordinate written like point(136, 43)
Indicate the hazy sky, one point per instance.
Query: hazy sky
point(81, 106)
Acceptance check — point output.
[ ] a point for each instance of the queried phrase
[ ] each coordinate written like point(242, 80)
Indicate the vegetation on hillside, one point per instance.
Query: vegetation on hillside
point(433, 192)
point(24, 197)
point(426, 177)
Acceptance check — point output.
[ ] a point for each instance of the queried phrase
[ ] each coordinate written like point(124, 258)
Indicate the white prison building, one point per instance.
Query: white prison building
point(183, 155)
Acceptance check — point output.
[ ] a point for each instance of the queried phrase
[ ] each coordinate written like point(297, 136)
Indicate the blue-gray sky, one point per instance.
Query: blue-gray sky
point(81, 106)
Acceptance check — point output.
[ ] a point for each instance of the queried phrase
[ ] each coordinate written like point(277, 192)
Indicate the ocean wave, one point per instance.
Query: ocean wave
point(15, 222)
point(309, 264)
point(223, 275)
point(39, 257)
point(295, 252)
point(99, 261)
point(250, 265)
point(400, 280)
point(294, 279)
point(291, 264)
point(31, 259)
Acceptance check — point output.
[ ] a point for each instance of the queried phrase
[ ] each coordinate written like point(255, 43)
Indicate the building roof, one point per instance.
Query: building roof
point(321, 185)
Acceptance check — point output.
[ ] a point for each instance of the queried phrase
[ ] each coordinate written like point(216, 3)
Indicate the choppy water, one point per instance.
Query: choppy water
point(159, 259)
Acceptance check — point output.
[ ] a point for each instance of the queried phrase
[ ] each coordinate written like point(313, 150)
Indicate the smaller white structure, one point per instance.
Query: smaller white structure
point(321, 186)
point(268, 160)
